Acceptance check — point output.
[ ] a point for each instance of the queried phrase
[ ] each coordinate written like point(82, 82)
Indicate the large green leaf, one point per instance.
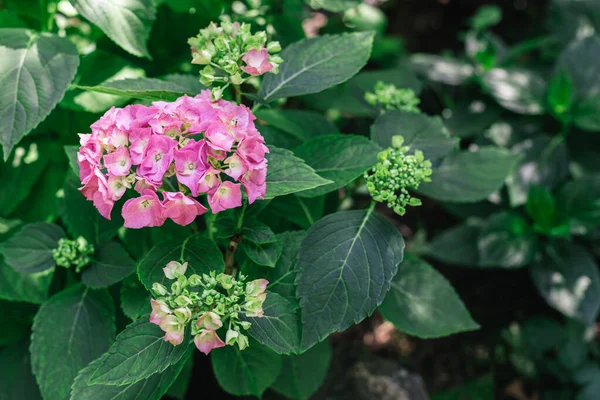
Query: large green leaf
point(70, 330)
point(30, 249)
point(345, 267)
point(466, 177)
point(567, 277)
point(580, 62)
point(457, 245)
point(135, 299)
point(302, 211)
point(17, 381)
point(315, 64)
point(152, 388)
point(421, 302)
point(247, 372)
point(139, 352)
point(288, 174)
point(35, 72)
point(111, 264)
point(279, 328)
point(81, 218)
point(507, 240)
point(20, 173)
point(141, 88)
point(338, 158)
point(420, 132)
point(265, 254)
point(301, 124)
point(127, 23)
point(302, 374)
point(518, 90)
point(282, 278)
point(19, 286)
point(201, 254)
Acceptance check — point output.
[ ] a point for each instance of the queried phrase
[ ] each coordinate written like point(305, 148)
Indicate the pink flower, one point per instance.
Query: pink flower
point(208, 340)
point(159, 311)
point(228, 195)
point(134, 116)
point(175, 269)
point(118, 162)
point(190, 164)
point(165, 124)
point(220, 136)
point(181, 209)
point(157, 160)
point(173, 328)
point(236, 167)
point(96, 189)
point(143, 184)
point(210, 321)
point(252, 150)
point(117, 185)
point(255, 184)
point(256, 287)
point(209, 181)
point(142, 211)
point(257, 62)
point(139, 142)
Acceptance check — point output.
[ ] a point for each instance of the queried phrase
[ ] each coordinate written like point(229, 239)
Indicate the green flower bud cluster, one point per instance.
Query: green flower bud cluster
point(225, 50)
point(395, 173)
point(208, 301)
point(388, 97)
point(73, 253)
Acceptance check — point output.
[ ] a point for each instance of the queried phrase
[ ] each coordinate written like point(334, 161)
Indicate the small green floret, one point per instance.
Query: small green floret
point(73, 253)
point(395, 173)
point(388, 97)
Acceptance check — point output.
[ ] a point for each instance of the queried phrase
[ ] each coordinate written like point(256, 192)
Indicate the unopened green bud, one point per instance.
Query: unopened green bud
point(194, 280)
point(159, 289)
point(273, 47)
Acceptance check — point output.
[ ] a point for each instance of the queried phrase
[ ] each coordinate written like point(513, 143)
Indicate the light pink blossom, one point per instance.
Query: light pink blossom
point(146, 210)
point(118, 162)
point(159, 310)
point(228, 195)
point(257, 62)
point(181, 209)
point(190, 164)
point(208, 340)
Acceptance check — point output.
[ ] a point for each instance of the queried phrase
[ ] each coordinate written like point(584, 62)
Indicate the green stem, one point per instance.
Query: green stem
point(48, 9)
point(230, 254)
point(554, 143)
point(528, 46)
point(238, 94)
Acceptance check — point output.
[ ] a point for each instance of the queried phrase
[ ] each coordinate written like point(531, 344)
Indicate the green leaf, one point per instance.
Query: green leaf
point(579, 201)
point(507, 240)
point(567, 278)
point(541, 207)
point(472, 118)
point(135, 299)
point(580, 63)
point(128, 24)
point(35, 74)
point(301, 124)
point(43, 203)
point(30, 249)
point(179, 388)
point(83, 219)
point(141, 88)
point(333, 5)
point(70, 330)
point(560, 93)
point(20, 173)
point(258, 233)
point(71, 152)
point(139, 352)
point(282, 278)
point(542, 163)
point(315, 64)
point(10, 19)
point(16, 319)
point(288, 174)
point(265, 254)
point(26, 287)
point(201, 254)
point(338, 158)
point(345, 267)
point(422, 303)
point(17, 381)
point(450, 71)
point(302, 211)
point(247, 372)
point(486, 17)
point(420, 132)
point(301, 375)
point(279, 328)
point(465, 177)
point(457, 246)
point(152, 388)
point(518, 90)
point(110, 264)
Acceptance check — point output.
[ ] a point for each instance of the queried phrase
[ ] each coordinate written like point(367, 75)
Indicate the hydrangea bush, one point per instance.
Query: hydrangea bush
point(218, 184)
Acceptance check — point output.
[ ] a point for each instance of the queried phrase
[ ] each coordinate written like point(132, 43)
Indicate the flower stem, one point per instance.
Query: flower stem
point(230, 254)
point(238, 94)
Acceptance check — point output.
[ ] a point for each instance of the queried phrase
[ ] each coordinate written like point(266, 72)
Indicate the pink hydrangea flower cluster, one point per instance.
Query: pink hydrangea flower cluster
point(208, 147)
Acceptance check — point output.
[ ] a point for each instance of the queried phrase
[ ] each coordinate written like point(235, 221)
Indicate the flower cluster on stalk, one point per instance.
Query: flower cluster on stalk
point(396, 172)
point(204, 146)
point(387, 97)
point(73, 253)
point(232, 54)
point(208, 302)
